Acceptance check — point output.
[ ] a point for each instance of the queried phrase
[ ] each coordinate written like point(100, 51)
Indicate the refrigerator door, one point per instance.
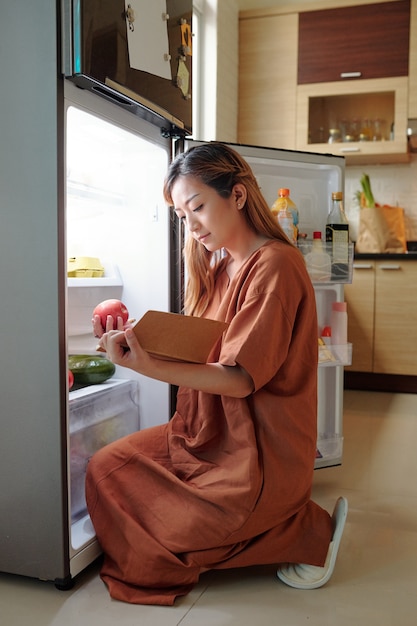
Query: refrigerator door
point(311, 179)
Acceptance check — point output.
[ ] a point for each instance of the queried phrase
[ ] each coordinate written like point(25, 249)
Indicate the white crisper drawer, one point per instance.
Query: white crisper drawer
point(98, 415)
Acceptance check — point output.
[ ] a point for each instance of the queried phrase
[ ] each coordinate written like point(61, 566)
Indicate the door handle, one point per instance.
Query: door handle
point(362, 266)
point(350, 74)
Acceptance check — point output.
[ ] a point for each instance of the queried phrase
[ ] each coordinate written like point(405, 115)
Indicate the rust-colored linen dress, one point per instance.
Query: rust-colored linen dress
point(227, 482)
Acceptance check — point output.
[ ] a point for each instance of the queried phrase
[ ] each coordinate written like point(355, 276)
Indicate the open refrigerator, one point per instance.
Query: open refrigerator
point(115, 212)
point(114, 157)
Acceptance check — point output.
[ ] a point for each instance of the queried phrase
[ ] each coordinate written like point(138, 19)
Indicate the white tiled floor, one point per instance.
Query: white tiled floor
point(375, 581)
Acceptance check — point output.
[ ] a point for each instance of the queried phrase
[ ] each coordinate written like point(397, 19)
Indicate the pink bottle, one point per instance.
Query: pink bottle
point(339, 323)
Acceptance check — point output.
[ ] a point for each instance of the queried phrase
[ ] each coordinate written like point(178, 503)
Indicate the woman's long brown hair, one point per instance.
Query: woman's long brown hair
point(220, 167)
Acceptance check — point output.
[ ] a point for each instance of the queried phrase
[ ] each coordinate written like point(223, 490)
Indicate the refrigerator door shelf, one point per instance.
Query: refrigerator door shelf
point(329, 450)
point(333, 355)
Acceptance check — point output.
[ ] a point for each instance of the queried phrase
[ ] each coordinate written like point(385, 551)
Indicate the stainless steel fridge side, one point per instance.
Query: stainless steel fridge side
point(34, 519)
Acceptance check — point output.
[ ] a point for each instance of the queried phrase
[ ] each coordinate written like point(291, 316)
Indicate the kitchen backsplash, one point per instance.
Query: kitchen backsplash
point(391, 184)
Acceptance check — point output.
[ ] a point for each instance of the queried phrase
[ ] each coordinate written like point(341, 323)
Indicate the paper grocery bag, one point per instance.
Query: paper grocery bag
point(381, 229)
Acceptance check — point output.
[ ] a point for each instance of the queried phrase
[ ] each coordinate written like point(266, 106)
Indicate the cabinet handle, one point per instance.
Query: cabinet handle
point(390, 267)
point(350, 74)
point(350, 150)
point(362, 266)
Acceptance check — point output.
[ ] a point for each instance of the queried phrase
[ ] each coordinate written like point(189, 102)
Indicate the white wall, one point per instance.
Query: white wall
point(219, 91)
point(227, 70)
point(391, 184)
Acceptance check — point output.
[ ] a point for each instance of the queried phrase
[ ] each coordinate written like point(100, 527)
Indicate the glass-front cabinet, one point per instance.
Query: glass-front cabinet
point(354, 119)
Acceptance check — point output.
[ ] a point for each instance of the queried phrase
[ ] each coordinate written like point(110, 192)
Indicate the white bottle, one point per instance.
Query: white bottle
point(339, 323)
point(286, 223)
point(319, 265)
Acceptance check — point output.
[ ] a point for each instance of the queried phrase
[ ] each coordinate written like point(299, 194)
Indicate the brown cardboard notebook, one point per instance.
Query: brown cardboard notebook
point(178, 337)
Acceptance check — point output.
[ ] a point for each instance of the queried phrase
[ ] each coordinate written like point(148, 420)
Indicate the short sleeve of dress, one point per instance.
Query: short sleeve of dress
point(269, 302)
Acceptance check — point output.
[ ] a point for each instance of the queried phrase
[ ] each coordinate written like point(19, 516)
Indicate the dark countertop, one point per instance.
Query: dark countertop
point(386, 256)
point(410, 255)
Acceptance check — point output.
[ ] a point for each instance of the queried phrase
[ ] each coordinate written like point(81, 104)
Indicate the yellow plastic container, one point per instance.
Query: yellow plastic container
point(84, 267)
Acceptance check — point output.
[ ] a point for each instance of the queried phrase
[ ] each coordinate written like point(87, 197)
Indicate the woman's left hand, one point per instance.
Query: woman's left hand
point(123, 348)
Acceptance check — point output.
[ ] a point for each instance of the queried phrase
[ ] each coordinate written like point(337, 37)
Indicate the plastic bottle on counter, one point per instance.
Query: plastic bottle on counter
point(318, 262)
point(287, 214)
point(337, 233)
point(339, 323)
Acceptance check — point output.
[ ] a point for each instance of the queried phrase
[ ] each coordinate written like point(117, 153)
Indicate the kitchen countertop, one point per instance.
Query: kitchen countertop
point(410, 255)
point(384, 256)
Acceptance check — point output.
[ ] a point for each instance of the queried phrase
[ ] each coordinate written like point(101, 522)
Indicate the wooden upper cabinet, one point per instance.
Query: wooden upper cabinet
point(268, 80)
point(364, 41)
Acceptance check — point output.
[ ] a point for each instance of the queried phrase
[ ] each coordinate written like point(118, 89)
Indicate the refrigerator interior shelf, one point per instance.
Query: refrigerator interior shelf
point(104, 281)
point(111, 278)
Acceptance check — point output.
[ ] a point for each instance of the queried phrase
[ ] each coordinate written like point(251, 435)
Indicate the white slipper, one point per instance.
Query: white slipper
point(303, 576)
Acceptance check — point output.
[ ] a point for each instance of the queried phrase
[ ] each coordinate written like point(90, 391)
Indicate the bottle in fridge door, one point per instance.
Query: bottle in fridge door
point(337, 234)
point(318, 262)
point(286, 213)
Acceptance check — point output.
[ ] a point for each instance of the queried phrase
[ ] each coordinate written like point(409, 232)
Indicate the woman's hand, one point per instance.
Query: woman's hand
point(98, 329)
point(123, 348)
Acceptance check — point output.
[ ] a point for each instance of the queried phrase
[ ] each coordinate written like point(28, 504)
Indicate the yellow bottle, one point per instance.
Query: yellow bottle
point(286, 213)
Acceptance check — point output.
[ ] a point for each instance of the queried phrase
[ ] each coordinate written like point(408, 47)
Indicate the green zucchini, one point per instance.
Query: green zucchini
point(90, 369)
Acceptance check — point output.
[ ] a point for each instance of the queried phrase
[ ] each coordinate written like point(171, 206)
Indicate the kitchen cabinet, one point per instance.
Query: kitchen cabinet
point(323, 106)
point(395, 336)
point(412, 67)
point(275, 111)
point(382, 316)
point(267, 80)
point(363, 42)
point(368, 43)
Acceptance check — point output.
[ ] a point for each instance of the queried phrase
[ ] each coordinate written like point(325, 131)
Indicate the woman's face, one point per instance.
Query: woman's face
point(214, 221)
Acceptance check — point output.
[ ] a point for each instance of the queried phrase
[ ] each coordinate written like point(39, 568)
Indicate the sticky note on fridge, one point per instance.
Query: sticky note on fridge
point(177, 337)
point(147, 37)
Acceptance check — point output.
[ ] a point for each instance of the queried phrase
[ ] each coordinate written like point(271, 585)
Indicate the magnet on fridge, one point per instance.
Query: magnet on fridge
point(130, 16)
point(186, 38)
point(183, 78)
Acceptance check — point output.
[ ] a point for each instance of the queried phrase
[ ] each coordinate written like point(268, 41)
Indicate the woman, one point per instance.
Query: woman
point(227, 482)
